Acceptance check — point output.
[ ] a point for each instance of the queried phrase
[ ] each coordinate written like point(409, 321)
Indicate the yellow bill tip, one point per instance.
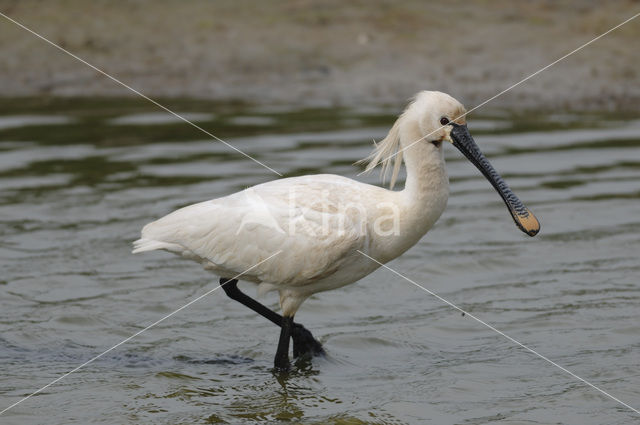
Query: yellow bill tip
point(528, 223)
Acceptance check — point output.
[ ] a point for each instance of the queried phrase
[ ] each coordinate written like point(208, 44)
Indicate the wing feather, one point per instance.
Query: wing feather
point(304, 218)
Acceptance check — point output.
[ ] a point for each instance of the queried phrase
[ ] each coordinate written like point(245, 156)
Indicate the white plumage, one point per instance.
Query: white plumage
point(308, 234)
point(318, 222)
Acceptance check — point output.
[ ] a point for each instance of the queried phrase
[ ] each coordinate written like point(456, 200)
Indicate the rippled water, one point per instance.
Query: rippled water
point(79, 178)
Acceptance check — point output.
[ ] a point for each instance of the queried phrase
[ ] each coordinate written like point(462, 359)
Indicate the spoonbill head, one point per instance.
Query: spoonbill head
point(307, 234)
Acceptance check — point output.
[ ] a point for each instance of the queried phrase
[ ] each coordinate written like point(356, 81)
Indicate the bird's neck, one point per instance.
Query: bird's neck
point(426, 175)
point(423, 198)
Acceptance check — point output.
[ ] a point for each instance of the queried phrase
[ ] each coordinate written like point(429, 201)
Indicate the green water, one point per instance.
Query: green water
point(79, 179)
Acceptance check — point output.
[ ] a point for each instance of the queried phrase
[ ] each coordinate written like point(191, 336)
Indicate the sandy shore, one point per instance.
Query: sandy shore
point(327, 52)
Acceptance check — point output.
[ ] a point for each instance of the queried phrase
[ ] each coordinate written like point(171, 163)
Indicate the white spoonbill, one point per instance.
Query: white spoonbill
point(318, 223)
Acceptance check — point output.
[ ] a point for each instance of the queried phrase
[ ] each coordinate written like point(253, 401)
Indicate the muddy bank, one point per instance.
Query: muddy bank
point(326, 53)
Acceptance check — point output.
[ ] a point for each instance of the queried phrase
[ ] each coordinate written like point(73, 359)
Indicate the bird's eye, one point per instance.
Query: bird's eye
point(444, 121)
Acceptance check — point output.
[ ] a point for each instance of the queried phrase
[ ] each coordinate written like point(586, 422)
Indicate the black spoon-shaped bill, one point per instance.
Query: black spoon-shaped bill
point(522, 216)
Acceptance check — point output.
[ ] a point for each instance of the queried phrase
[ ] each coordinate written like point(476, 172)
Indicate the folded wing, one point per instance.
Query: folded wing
point(304, 219)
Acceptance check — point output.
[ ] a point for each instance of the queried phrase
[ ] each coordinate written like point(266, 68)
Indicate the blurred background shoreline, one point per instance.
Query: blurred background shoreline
point(325, 54)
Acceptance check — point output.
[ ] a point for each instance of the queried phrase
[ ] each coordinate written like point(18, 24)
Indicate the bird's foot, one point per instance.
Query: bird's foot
point(282, 365)
point(304, 343)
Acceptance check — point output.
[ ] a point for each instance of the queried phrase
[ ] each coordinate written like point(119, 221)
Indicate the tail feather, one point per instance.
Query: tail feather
point(143, 244)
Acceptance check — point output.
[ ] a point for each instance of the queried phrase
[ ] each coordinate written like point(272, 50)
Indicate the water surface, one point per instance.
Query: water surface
point(80, 178)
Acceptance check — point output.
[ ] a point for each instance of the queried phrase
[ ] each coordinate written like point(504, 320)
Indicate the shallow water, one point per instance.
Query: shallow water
point(79, 179)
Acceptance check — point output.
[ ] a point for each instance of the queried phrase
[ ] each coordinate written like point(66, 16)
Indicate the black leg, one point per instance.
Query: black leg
point(231, 289)
point(303, 340)
point(281, 362)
